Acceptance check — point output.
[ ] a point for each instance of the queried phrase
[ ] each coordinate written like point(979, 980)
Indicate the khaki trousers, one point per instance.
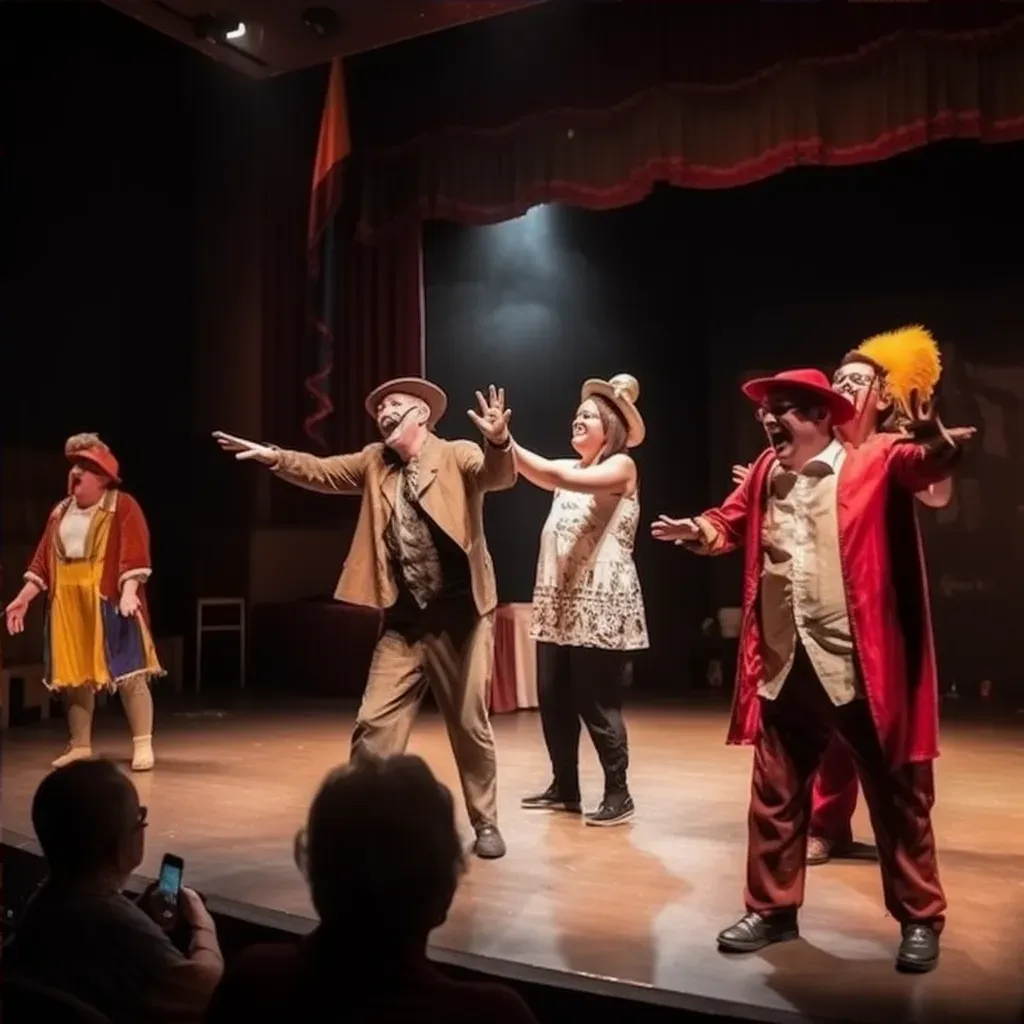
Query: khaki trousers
point(449, 647)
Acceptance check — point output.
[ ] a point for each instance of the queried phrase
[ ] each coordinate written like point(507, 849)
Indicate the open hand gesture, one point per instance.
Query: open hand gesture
point(15, 614)
point(680, 531)
point(925, 427)
point(492, 420)
point(739, 474)
point(246, 450)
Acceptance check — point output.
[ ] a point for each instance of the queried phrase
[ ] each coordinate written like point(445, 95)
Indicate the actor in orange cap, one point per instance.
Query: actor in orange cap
point(93, 562)
point(835, 637)
point(419, 555)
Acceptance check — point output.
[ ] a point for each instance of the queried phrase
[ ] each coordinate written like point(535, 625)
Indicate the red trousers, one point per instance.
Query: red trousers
point(834, 797)
point(796, 729)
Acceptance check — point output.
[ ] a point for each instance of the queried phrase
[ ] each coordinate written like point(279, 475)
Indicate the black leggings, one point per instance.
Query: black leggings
point(587, 683)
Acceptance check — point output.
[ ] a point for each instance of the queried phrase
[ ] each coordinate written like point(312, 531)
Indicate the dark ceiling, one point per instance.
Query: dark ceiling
point(278, 41)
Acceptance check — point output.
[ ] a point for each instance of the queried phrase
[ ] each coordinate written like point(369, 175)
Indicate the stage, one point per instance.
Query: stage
point(630, 911)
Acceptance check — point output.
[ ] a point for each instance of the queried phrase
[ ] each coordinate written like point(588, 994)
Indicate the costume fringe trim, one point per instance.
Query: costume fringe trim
point(144, 674)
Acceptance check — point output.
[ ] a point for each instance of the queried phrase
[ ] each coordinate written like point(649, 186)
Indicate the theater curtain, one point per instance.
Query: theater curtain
point(381, 324)
point(955, 73)
point(592, 105)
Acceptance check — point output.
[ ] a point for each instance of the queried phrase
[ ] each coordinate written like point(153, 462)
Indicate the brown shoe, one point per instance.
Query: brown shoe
point(819, 850)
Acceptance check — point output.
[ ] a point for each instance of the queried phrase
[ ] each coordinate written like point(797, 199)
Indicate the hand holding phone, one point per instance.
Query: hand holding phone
point(165, 896)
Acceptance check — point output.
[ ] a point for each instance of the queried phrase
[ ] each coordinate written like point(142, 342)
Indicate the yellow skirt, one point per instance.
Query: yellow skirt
point(88, 641)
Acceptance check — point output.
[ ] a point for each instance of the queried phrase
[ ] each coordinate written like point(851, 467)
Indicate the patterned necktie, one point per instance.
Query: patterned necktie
point(421, 567)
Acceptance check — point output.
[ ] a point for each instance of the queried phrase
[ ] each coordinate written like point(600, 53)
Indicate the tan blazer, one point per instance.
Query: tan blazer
point(454, 477)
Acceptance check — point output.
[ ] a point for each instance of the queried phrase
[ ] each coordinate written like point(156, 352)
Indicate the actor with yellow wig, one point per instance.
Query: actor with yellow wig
point(93, 563)
point(891, 380)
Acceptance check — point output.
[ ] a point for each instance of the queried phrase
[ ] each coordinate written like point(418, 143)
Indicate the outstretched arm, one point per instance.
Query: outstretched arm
point(335, 474)
point(616, 475)
point(917, 465)
point(717, 531)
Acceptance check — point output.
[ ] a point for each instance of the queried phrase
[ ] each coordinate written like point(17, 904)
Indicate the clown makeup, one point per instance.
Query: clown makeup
point(396, 413)
point(86, 485)
point(797, 429)
point(855, 381)
point(865, 388)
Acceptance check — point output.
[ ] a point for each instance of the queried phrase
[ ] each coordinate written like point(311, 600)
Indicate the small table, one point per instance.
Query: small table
point(514, 680)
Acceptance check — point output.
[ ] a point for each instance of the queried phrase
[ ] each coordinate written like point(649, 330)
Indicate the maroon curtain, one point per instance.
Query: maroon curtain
point(634, 98)
point(380, 288)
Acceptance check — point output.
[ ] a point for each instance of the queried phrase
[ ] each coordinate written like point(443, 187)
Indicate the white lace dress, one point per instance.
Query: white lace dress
point(587, 592)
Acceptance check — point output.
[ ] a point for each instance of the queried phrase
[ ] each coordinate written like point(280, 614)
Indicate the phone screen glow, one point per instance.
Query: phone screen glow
point(170, 880)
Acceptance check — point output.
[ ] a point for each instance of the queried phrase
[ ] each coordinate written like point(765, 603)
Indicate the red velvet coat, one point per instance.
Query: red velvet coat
point(886, 590)
point(127, 547)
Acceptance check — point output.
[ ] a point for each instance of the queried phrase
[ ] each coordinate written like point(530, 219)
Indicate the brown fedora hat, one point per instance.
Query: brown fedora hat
point(436, 399)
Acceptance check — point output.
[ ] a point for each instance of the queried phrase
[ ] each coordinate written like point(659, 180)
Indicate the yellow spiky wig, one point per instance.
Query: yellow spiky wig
point(910, 360)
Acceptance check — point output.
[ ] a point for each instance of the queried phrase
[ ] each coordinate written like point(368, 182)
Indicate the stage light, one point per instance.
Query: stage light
point(219, 28)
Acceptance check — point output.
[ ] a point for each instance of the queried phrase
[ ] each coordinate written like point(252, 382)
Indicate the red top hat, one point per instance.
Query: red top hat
point(812, 382)
point(102, 459)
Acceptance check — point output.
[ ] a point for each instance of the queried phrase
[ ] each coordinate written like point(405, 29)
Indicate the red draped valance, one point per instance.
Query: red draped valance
point(916, 85)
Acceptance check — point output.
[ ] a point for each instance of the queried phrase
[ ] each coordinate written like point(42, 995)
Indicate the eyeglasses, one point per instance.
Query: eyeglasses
point(860, 380)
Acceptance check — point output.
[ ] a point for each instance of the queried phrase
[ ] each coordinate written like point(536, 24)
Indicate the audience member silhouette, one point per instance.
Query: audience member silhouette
point(383, 858)
point(80, 934)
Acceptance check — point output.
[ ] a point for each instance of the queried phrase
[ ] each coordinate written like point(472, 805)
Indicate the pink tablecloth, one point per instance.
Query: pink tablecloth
point(514, 681)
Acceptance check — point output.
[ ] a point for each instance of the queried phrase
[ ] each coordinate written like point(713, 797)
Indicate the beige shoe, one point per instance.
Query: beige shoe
point(819, 851)
point(142, 754)
point(71, 754)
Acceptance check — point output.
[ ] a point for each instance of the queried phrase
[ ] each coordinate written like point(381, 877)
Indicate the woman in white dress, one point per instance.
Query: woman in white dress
point(588, 609)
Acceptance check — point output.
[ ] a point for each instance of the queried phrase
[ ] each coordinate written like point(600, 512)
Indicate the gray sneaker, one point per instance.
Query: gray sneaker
point(489, 845)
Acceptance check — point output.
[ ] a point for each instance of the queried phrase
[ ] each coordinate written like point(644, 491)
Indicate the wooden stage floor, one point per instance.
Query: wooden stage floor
point(635, 907)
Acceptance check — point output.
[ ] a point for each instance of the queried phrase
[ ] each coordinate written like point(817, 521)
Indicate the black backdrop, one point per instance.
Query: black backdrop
point(690, 291)
point(538, 305)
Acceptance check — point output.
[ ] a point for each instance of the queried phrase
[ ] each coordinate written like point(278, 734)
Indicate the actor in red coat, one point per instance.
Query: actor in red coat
point(882, 377)
point(836, 637)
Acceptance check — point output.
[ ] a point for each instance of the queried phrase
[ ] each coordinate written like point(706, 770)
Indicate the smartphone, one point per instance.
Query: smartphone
point(168, 885)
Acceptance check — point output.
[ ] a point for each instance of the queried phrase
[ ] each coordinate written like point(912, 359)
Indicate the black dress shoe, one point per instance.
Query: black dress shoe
point(552, 800)
point(615, 809)
point(919, 949)
point(753, 932)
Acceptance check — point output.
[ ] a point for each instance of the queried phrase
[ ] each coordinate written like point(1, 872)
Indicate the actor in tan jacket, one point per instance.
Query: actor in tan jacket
point(419, 554)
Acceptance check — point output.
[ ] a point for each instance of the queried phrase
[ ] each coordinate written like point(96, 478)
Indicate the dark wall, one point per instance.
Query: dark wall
point(693, 292)
point(539, 304)
point(97, 307)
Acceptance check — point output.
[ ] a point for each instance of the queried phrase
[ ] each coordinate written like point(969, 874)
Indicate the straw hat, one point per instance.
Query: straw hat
point(436, 399)
point(622, 391)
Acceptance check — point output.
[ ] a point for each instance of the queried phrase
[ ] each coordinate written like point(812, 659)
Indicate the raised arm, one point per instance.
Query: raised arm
point(493, 467)
point(616, 475)
point(918, 465)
